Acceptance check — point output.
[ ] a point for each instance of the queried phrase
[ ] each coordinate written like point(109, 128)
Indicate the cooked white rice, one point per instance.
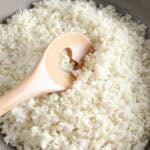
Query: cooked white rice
point(108, 107)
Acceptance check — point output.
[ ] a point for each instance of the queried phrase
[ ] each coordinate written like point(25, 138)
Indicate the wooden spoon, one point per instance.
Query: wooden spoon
point(47, 76)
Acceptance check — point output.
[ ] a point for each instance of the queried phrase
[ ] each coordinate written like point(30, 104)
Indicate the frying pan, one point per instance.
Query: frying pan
point(139, 9)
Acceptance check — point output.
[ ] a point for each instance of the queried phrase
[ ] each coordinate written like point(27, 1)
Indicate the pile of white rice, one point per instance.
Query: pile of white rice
point(108, 107)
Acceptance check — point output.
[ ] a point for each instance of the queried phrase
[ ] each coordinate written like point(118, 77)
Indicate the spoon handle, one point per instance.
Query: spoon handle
point(22, 92)
point(37, 83)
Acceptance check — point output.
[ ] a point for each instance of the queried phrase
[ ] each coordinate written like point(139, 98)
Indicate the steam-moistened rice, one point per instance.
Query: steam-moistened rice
point(107, 108)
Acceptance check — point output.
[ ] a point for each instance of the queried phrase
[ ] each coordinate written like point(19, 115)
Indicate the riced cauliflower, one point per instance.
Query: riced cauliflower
point(108, 106)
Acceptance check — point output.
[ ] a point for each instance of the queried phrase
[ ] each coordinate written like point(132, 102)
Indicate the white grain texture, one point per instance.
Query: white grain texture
point(108, 106)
